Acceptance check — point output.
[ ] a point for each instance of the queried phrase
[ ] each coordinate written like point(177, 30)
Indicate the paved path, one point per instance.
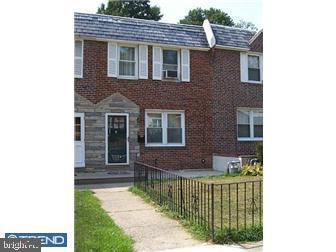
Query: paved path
point(151, 230)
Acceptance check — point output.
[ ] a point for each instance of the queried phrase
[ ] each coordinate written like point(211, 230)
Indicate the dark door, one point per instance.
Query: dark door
point(117, 139)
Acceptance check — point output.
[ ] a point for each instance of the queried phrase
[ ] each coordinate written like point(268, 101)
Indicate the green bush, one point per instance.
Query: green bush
point(259, 151)
point(252, 170)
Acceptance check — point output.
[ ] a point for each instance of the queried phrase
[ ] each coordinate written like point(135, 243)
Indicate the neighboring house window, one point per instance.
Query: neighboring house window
point(170, 66)
point(127, 61)
point(78, 65)
point(253, 68)
point(250, 125)
point(165, 128)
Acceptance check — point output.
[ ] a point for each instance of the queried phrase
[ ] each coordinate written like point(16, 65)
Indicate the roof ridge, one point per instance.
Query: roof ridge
point(145, 20)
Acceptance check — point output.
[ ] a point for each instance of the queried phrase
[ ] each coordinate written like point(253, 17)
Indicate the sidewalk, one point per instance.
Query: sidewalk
point(150, 229)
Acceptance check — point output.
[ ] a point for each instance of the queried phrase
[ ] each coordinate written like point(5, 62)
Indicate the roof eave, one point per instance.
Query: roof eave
point(86, 37)
point(233, 48)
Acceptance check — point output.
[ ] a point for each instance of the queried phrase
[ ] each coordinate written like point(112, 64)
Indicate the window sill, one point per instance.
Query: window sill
point(127, 77)
point(164, 145)
point(254, 82)
point(249, 139)
point(78, 77)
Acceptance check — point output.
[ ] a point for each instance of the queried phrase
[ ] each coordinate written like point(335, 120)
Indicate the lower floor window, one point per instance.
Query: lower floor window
point(250, 124)
point(164, 128)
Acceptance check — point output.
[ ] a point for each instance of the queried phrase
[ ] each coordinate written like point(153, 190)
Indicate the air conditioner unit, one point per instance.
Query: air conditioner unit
point(233, 167)
point(169, 74)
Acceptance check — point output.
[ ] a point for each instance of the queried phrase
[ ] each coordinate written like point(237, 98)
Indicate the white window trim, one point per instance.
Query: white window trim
point(136, 51)
point(82, 58)
point(251, 138)
point(106, 138)
point(260, 68)
point(179, 74)
point(164, 114)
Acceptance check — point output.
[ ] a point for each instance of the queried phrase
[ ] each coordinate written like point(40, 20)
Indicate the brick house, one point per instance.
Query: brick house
point(152, 91)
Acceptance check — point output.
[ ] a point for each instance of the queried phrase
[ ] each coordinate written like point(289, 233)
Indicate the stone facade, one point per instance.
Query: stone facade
point(94, 117)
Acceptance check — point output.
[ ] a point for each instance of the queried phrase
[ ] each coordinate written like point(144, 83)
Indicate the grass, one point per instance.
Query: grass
point(94, 229)
point(237, 206)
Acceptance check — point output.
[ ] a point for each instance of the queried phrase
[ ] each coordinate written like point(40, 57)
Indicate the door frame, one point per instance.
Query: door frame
point(106, 138)
point(82, 118)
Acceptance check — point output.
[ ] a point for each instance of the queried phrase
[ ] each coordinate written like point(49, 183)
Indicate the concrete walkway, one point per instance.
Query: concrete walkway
point(151, 230)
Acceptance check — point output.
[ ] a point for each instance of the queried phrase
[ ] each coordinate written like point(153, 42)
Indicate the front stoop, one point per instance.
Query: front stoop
point(103, 177)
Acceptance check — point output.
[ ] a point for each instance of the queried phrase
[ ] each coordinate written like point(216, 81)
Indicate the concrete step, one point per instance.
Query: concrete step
point(86, 178)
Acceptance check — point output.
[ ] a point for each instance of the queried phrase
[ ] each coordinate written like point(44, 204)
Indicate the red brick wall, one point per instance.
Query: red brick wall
point(229, 94)
point(195, 97)
point(257, 44)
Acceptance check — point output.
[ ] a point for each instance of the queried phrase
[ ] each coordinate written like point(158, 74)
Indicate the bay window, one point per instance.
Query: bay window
point(249, 124)
point(164, 128)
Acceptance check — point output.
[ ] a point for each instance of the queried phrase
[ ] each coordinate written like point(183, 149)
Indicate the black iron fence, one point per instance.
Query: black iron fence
point(212, 206)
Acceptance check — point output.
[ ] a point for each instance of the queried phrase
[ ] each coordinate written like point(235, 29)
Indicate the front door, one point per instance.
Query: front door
point(117, 139)
point(79, 140)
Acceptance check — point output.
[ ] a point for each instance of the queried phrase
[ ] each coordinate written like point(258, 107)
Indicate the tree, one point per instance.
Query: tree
point(136, 9)
point(246, 25)
point(215, 16)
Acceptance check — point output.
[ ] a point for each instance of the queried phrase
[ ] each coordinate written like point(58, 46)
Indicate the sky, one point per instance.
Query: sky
point(174, 10)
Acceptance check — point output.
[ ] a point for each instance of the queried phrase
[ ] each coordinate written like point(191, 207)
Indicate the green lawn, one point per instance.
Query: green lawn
point(237, 201)
point(94, 229)
point(245, 200)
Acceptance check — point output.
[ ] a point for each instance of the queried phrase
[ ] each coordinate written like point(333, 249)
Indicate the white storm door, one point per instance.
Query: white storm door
point(79, 140)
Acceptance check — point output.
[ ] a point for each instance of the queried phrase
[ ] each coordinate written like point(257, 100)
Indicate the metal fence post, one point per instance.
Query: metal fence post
point(181, 197)
point(212, 213)
point(160, 187)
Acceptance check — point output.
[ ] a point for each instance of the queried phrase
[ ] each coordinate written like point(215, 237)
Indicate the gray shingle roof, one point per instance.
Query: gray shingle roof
point(131, 29)
point(232, 37)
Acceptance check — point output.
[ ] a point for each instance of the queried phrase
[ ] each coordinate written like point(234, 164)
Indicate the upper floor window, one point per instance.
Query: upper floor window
point(170, 66)
point(127, 61)
point(253, 68)
point(164, 128)
point(250, 124)
point(78, 65)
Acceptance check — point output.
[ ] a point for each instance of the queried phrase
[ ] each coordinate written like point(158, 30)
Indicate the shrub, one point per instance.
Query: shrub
point(252, 170)
point(259, 151)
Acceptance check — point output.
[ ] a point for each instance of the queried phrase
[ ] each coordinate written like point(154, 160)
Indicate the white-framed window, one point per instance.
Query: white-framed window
point(78, 64)
point(128, 62)
point(164, 128)
point(253, 62)
point(251, 67)
point(170, 64)
point(249, 124)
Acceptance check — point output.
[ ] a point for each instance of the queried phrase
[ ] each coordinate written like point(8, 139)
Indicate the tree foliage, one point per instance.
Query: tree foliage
point(246, 25)
point(215, 16)
point(136, 9)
